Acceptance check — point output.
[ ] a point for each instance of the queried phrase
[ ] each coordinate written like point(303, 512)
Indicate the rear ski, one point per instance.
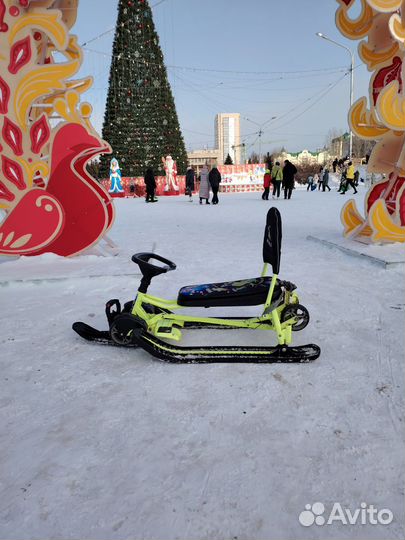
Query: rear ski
point(204, 355)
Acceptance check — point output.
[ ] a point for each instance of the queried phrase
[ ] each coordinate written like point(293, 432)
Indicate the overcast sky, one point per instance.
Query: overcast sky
point(214, 47)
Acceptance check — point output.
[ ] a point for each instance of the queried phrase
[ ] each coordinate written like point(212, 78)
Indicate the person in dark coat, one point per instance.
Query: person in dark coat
point(335, 164)
point(214, 179)
point(289, 170)
point(150, 183)
point(190, 181)
point(325, 180)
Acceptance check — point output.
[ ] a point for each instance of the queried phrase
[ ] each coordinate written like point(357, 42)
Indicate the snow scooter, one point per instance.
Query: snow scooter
point(148, 321)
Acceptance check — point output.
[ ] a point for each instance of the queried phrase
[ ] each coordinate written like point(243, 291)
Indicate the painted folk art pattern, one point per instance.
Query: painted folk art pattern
point(49, 200)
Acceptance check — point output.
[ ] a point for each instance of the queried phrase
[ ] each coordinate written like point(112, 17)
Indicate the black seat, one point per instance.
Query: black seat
point(245, 292)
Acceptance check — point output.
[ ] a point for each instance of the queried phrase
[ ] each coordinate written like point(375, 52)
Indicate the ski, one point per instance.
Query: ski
point(89, 333)
point(203, 355)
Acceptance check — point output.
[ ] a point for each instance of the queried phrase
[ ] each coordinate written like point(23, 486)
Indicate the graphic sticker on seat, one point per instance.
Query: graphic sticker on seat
point(241, 292)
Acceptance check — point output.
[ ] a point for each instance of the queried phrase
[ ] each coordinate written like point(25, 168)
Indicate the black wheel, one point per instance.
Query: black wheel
point(299, 312)
point(125, 327)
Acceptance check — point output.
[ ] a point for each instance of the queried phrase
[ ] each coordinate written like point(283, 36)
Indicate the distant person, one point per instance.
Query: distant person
point(335, 164)
point(342, 180)
point(150, 183)
point(277, 177)
point(356, 177)
point(214, 178)
point(266, 185)
point(320, 176)
point(349, 179)
point(325, 180)
point(204, 193)
point(310, 182)
point(289, 171)
point(190, 183)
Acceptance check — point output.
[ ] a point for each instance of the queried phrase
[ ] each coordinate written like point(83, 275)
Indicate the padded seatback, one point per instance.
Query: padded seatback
point(272, 240)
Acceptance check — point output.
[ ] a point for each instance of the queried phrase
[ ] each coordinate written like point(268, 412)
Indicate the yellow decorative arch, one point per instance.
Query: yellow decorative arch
point(383, 22)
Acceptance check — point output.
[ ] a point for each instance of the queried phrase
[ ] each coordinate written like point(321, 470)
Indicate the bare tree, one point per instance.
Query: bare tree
point(333, 133)
point(362, 147)
point(254, 158)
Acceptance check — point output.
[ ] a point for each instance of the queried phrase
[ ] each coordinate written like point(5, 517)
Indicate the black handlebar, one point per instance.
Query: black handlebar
point(150, 270)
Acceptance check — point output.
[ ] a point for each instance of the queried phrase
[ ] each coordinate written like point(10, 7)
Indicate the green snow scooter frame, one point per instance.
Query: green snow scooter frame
point(148, 321)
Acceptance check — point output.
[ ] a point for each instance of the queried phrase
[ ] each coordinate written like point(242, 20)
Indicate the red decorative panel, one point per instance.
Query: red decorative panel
point(33, 223)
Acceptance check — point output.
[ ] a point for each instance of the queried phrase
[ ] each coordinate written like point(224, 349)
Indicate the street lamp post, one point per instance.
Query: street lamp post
point(319, 34)
point(260, 133)
point(260, 145)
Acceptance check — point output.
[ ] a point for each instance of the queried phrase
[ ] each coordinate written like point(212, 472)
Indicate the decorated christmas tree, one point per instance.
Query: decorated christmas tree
point(140, 120)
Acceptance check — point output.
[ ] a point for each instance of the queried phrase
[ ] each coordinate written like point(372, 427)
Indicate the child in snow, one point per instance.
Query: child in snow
point(310, 182)
point(266, 185)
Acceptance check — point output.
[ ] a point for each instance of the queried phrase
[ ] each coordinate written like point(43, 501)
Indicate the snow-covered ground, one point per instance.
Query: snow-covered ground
point(103, 443)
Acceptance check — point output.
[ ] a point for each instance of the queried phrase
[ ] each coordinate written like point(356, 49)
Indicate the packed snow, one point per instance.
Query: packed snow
point(99, 442)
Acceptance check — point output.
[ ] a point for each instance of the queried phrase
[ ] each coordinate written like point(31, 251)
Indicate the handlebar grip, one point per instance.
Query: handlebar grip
point(142, 259)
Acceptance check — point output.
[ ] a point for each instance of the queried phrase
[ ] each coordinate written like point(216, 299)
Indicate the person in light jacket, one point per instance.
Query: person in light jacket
point(320, 178)
point(277, 177)
point(204, 193)
point(310, 182)
point(349, 179)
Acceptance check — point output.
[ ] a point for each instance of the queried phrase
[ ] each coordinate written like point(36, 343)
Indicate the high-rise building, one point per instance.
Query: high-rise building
point(227, 136)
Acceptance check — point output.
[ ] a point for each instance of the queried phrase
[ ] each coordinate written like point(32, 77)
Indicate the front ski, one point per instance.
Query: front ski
point(89, 333)
point(98, 336)
point(203, 355)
